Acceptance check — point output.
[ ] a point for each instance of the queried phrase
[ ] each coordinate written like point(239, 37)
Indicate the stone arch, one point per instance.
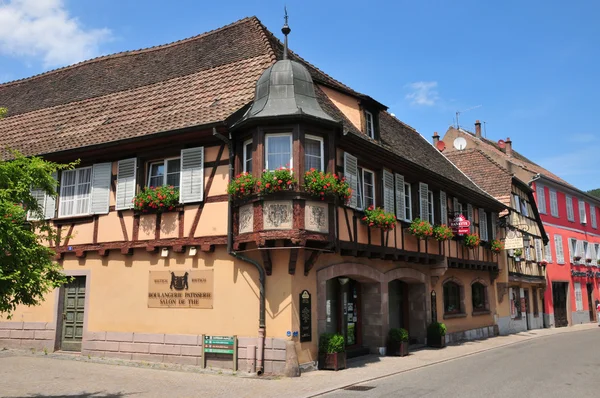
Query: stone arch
point(356, 270)
point(406, 274)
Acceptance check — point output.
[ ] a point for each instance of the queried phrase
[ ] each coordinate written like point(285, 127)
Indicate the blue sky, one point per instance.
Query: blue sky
point(528, 67)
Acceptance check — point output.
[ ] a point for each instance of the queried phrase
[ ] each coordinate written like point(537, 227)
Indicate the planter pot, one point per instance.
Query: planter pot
point(335, 361)
point(436, 342)
point(397, 348)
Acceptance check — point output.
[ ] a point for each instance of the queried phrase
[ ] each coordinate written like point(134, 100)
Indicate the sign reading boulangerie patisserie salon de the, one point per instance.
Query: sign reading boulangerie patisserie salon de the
point(180, 289)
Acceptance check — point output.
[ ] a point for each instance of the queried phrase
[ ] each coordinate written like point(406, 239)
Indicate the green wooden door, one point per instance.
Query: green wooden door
point(73, 314)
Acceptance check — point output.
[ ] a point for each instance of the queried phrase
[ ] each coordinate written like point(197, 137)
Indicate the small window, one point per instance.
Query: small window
point(478, 297)
point(407, 202)
point(278, 151)
point(75, 192)
point(165, 172)
point(368, 188)
point(313, 153)
point(553, 204)
point(248, 156)
point(430, 207)
point(452, 298)
point(370, 124)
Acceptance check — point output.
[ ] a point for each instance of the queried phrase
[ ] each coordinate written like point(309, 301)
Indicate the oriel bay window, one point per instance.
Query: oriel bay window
point(164, 172)
point(278, 151)
point(313, 153)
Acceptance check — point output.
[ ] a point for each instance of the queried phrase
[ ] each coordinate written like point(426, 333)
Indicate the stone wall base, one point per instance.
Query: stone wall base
point(580, 317)
point(28, 335)
point(473, 334)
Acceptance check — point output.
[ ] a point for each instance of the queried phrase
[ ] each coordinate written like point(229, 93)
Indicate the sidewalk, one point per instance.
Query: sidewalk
point(24, 373)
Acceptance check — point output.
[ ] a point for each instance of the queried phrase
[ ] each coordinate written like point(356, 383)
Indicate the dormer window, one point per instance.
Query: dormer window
point(370, 124)
point(278, 151)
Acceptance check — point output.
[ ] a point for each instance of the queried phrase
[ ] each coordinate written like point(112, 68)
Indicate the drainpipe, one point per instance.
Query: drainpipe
point(239, 256)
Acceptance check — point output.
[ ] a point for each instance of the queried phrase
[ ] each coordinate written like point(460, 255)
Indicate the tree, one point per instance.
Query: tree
point(594, 192)
point(27, 267)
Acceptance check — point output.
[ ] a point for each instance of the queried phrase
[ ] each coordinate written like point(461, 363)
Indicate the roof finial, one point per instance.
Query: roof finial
point(286, 31)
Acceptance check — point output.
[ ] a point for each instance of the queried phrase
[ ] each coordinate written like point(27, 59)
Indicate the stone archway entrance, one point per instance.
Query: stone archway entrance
point(409, 302)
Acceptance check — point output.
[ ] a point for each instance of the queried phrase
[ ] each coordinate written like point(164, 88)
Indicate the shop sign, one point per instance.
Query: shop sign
point(305, 317)
point(583, 274)
point(460, 225)
point(180, 289)
point(514, 240)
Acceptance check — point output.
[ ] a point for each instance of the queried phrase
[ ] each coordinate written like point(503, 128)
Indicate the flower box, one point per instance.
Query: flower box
point(496, 246)
point(442, 233)
point(421, 229)
point(156, 199)
point(321, 185)
point(376, 217)
point(471, 241)
point(334, 361)
point(278, 180)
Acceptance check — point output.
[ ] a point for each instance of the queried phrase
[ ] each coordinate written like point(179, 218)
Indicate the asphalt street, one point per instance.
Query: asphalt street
point(564, 365)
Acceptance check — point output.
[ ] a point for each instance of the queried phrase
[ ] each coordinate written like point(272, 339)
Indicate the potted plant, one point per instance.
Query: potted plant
point(376, 217)
point(442, 233)
point(242, 186)
point(436, 335)
point(517, 254)
point(496, 246)
point(322, 185)
point(278, 180)
point(397, 342)
point(471, 241)
point(422, 229)
point(156, 199)
point(332, 352)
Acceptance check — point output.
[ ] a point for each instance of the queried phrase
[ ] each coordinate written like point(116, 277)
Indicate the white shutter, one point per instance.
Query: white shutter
point(423, 201)
point(443, 208)
point(388, 192)
point(192, 175)
point(582, 213)
point(125, 183)
point(470, 216)
point(101, 188)
point(50, 202)
point(483, 225)
point(558, 247)
point(400, 200)
point(591, 253)
point(570, 215)
point(553, 204)
point(578, 297)
point(580, 250)
point(528, 253)
point(548, 249)
point(539, 252)
point(494, 218)
point(40, 197)
point(541, 198)
point(351, 174)
point(593, 216)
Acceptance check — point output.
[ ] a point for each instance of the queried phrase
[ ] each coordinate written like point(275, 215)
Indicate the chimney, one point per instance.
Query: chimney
point(477, 129)
point(508, 149)
point(436, 139)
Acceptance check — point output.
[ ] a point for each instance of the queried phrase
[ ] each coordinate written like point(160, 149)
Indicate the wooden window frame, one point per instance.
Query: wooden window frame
point(322, 146)
point(407, 203)
point(370, 133)
point(459, 292)
point(363, 183)
point(76, 194)
point(269, 135)
point(245, 158)
point(165, 162)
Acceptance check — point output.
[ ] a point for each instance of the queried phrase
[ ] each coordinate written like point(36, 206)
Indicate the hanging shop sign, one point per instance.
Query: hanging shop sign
point(460, 225)
point(305, 317)
point(514, 240)
point(180, 289)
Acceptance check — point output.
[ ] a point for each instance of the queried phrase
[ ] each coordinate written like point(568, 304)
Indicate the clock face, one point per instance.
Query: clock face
point(460, 143)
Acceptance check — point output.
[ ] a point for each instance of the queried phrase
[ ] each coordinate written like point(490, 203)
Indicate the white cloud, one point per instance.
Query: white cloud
point(423, 93)
point(44, 29)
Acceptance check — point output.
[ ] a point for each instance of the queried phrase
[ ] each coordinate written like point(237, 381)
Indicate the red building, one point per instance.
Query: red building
point(570, 219)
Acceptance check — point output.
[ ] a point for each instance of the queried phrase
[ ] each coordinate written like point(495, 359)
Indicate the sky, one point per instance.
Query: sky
point(527, 69)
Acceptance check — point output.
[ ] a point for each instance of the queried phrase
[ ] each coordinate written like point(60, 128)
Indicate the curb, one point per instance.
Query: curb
point(527, 338)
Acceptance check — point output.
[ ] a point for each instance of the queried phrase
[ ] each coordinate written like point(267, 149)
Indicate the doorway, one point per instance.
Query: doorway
point(559, 298)
point(527, 314)
point(590, 295)
point(344, 310)
point(72, 314)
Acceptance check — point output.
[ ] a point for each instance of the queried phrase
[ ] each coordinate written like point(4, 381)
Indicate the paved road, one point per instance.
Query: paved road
point(564, 365)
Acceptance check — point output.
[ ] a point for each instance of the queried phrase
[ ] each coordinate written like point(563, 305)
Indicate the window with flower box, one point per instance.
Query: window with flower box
point(313, 153)
point(278, 151)
point(368, 187)
point(164, 172)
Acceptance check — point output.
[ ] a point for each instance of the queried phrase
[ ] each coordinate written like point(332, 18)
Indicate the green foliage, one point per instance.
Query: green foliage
point(378, 218)
point(27, 269)
point(156, 199)
point(471, 241)
point(517, 252)
point(330, 343)
point(422, 229)
point(242, 186)
point(436, 330)
point(594, 192)
point(496, 246)
point(398, 335)
point(276, 180)
point(3, 112)
point(442, 233)
point(321, 185)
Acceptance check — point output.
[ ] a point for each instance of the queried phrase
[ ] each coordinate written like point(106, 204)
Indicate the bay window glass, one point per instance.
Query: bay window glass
point(278, 149)
point(75, 192)
point(164, 172)
point(313, 153)
point(248, 156)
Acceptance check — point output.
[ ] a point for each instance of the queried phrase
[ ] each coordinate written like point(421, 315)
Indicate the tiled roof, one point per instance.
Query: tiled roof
point(485, 172)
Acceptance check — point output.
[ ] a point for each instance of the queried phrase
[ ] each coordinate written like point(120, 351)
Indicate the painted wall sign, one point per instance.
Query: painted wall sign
point(180, 289)
point(514, 240)
point(460, 225)
point(305, 317)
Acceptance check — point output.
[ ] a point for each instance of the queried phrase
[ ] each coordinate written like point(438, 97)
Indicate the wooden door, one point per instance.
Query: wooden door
point(73, 314)
point(559, 298)
point(590, 289)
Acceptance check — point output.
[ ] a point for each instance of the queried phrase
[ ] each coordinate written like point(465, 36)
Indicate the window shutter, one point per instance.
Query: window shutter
point(400, 200)
point(50, 201)
point(541, 198)
point(558, 247)
point(548, 249)
point(125, 183)
point(455, 206)
point(388, 191)
point(494, 218)
point(580, 251)
point(539, 254)
point(470, 216)
point(192, 175)
point(553, 204)
point(101, 188)
point(443, 208)
point(351, 174)
point(40, 197)
point(570, 215)
point(593, 216)
point(424, 201)
point(582, 213)
point(591, 254)
point(483, 227)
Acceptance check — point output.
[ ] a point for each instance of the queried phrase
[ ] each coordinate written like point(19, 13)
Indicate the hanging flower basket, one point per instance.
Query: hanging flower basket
point(420, 228)
point(471, 241)
point(496, 246)
point(276, 181)
point(442, 233)
point(517, 253)
point(378, 218)
point(242, 186)
point(156, 199)
point(322, 185)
